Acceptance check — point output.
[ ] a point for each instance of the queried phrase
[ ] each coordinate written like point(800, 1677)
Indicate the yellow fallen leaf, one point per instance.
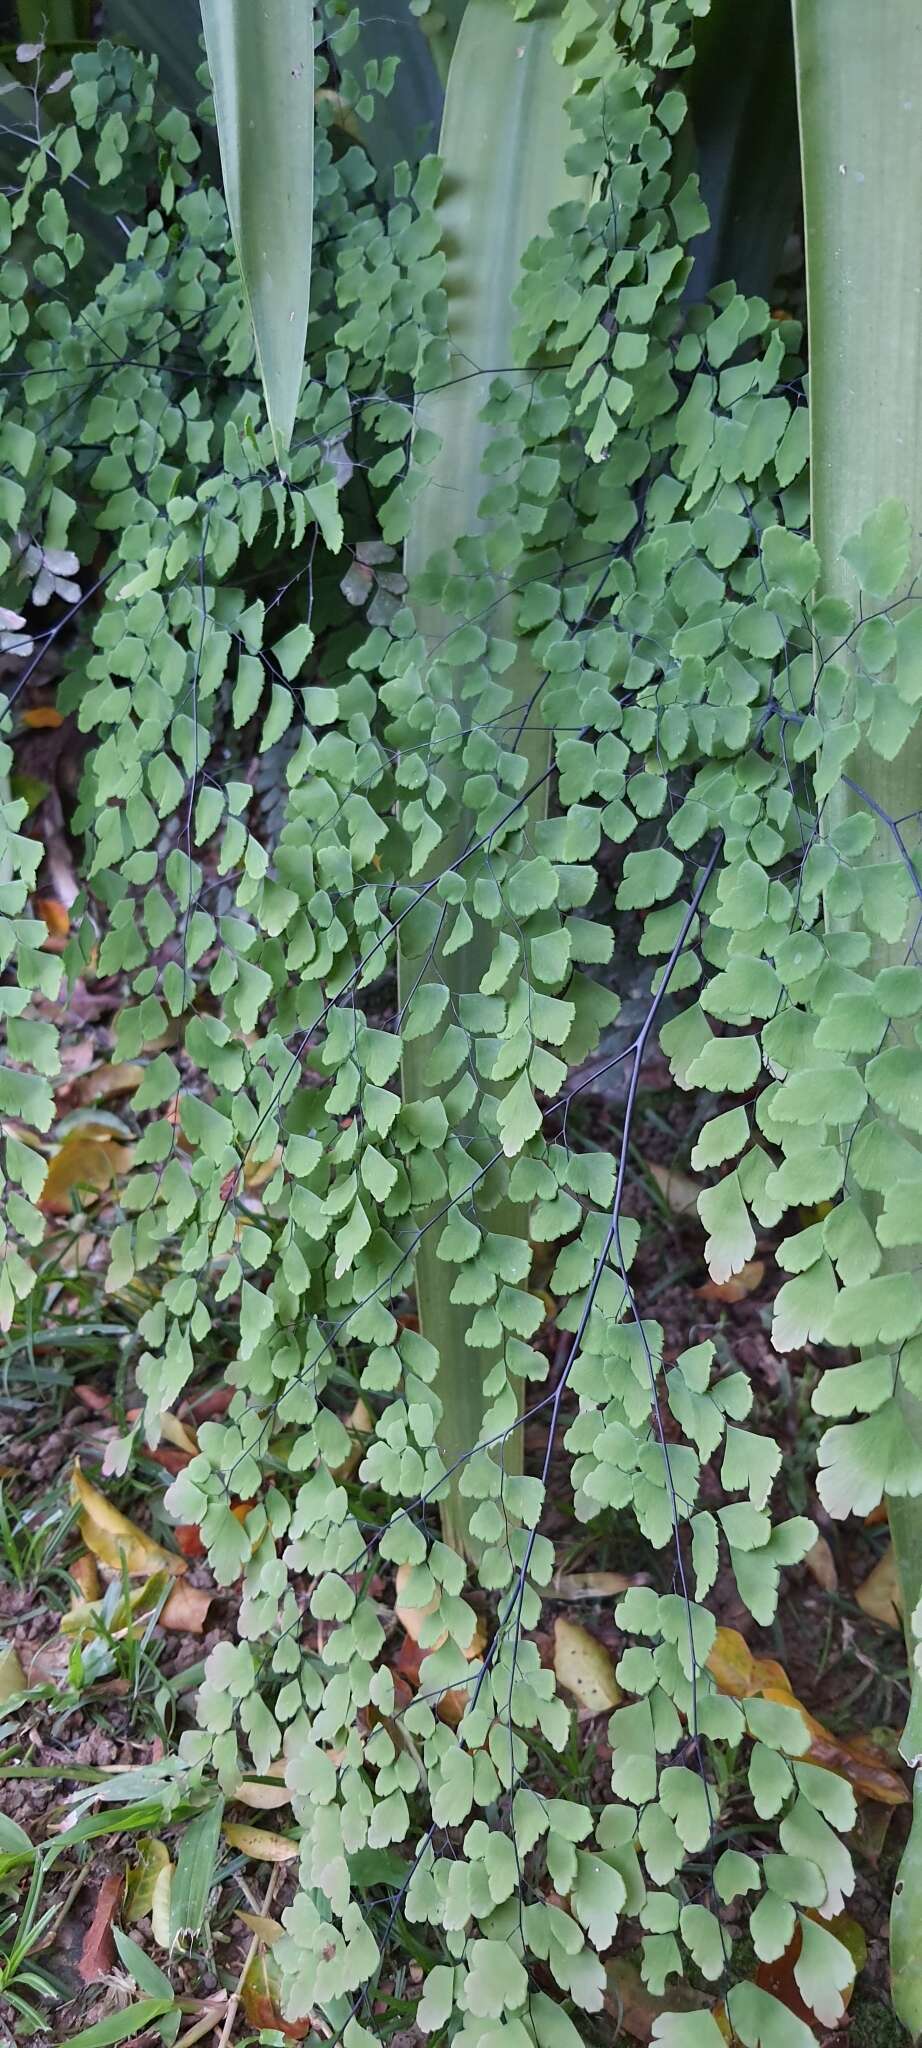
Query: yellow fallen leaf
point(90, 1156)
point(731, 1664)
point(261, 1797)
point(880, 1595)
point(585, 1668)
point(89, 1617)
point(114, 1540)
point(267, 1930)
point(821, 1565)
point(178, 1433)
point(147, 1888)
point(259, 1844)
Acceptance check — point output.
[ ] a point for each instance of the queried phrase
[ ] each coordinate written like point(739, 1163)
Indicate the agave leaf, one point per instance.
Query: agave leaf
point(862, 163)
point(504, 136)
point(171, 32)
point(261, 58)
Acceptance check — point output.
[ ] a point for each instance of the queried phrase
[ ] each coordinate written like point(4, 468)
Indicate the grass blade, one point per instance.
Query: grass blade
point(122, 2026)
point(261, 58)
point(194, 1874)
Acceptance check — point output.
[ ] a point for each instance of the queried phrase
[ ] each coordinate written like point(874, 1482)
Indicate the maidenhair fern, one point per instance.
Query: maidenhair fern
point(637, 579)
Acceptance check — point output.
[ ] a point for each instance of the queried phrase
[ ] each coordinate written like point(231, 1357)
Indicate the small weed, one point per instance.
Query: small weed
point(22, 1932)
point(875, 2026)
point(31, 1542)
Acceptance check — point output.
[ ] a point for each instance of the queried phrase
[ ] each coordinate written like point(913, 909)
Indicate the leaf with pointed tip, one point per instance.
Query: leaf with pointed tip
point(261, 58)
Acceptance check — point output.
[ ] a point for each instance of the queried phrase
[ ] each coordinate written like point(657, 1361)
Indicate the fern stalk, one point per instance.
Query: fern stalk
point(503, 141)
point(859, 73)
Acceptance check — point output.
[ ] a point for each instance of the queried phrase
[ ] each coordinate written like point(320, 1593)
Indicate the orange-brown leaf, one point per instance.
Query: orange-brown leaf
point(54, 917)
point(260, 1999)
point(185, 1610)
point(97, 1954)
point(43, 718)
point(742, 1283)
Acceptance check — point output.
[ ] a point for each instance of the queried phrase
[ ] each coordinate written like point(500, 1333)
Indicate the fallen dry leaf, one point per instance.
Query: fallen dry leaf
point(260, 1844)
point(55, 919)
point(262, 1797)
point(91, 1397)
point(744, 1282)
point(205, 1407)
point(821, 1565)
point(101, 1083)
point(260, 1994)
point(413, 1619)
point(178, 1433)
point(737, 1672)
point(880, 1594)
point(588, 1585)
point(43, 718)
point(113, 1539)
point(634, 2008)
point(185, 1610)
point(779, 1978)
point(680, 1193)
point(90, 1156)
point(584, 1667)
point(12, 1676)
point(85, 1575)
point(147, 1888)
point(97, 1954)
point(268, 1930)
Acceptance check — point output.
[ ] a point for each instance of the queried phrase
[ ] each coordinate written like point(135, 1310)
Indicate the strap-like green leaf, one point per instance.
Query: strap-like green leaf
point(261, 57)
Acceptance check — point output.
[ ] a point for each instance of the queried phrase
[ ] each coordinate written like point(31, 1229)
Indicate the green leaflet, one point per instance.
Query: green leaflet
point(261, 58)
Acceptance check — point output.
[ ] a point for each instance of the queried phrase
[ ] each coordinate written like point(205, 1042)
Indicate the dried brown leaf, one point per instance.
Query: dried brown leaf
point(97, 1954)
point(680, 1193)
point(589, 1585)
point(185, 1610)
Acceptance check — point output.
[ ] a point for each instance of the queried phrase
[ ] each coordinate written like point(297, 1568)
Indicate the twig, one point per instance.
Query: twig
point(233, 2002)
